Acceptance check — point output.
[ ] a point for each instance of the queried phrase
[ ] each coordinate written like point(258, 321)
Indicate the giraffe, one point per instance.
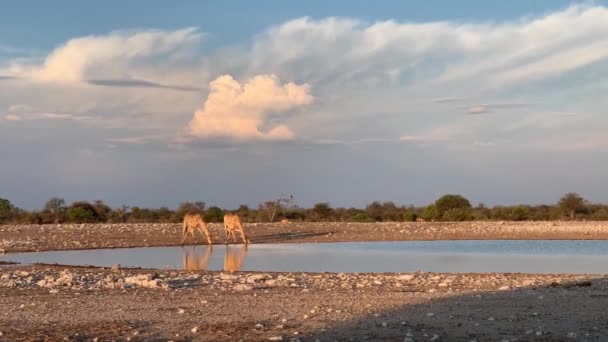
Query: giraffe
point(232, 223)
point(194, 222)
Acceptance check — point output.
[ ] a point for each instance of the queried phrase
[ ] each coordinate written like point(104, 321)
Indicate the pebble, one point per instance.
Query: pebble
point(276, 338)
point(181, 311)
point(194, 330)
point(571, 335)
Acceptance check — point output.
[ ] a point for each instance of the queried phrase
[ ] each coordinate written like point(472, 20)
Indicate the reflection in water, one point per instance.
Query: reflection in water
point(198, 260)
point(524, 256)
point(195, 262)
point(234, 257)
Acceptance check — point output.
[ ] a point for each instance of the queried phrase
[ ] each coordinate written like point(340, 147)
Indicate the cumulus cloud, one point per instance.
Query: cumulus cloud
point(242, 111)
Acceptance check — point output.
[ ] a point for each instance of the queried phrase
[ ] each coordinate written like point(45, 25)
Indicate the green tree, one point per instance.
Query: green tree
point(456, 215)
point(430, 213)
point(520, 213)
point(56, 208)
point(82, 212)
point(102, 210)
point(450, 201)
point(571, 204)
point(6, 209)
point(214, 214)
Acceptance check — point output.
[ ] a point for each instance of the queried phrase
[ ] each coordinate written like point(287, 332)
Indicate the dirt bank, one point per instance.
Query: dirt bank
point(43, 303)
point(57, 237)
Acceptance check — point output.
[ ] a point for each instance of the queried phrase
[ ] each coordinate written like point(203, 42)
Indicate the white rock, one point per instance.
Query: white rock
point(405, 277)
point(242, 287)
point(194, 330)
point(384, 324)
point(571, 335)
point(276, 338)
point(434, 338)
point(53, 291)
point(181, 311)
point(503, 288)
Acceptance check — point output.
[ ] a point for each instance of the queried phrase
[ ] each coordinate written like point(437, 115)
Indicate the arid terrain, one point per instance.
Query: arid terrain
point(18, 238)
point(55, 303)
point(50, 303)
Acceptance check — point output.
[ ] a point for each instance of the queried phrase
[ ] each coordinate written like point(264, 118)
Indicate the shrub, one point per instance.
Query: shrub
point(456, 214)
point(361, 217)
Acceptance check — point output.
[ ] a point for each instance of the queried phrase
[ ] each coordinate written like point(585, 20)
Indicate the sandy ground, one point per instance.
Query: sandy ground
point(49, 303)
point(15, 238)
point(55, 303)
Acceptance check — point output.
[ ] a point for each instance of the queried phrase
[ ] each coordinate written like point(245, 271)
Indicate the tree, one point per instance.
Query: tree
point(322, 211)
point(571, 204)
point(82, 212)
point(520, 213)
point(189, 208)
point(102, 210)
point(5, 209)
point(374, 211)
point(214, 214)
point(430, 213)
point(272, 208)
point(456, 214)
point(449, 201)
point(56, 208)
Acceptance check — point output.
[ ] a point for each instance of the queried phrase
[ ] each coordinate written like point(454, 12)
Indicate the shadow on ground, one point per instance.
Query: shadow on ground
point(280, 237)
point(556, 312)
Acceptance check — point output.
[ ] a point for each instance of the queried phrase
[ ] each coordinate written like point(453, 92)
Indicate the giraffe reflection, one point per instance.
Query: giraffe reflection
point(234, 257)
point(195, 262)
point(198, 260)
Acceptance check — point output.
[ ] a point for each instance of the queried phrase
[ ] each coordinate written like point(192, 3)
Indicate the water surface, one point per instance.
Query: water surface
point(538, 256)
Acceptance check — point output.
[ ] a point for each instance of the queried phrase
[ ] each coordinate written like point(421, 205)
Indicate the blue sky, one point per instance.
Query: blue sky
point(151, 103)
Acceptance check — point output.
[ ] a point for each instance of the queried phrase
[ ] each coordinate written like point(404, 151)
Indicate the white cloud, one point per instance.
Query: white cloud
point(151, 80)
point(335, 50)
point(240, 111)
point(120, 54)
point(26, 113)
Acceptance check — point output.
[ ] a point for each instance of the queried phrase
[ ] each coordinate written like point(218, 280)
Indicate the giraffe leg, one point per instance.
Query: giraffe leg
point(193, 236)
point(205, 230)
point(245, 239)
point(184, 235)
point(184, 232)
point(233, 235)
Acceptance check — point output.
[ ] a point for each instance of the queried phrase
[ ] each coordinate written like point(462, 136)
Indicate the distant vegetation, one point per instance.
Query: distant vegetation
point(449, 207)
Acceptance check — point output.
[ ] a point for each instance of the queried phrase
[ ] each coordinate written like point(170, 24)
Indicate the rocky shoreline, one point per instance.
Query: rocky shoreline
point(44, 302)
point(21, 238)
